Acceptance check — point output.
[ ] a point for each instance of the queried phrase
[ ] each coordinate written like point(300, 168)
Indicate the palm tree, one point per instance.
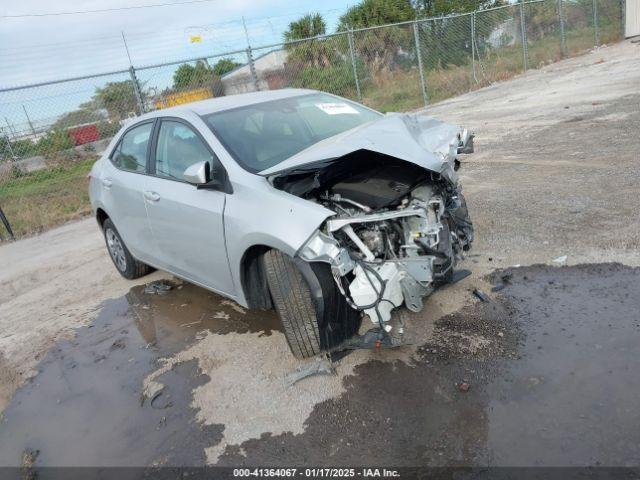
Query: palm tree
point(312, 52)
point(311, 25)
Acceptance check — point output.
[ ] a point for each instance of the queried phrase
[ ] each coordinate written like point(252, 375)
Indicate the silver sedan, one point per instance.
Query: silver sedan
point(318, 206)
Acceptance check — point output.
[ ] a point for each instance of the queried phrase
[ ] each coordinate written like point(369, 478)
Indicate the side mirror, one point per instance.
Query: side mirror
point(198, 173)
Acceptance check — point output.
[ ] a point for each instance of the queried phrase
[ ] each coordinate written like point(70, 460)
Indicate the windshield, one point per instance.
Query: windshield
point(262, 135)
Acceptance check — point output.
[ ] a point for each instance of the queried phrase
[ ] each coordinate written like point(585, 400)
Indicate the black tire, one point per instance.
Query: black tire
point(124, 262)
point(310, 328)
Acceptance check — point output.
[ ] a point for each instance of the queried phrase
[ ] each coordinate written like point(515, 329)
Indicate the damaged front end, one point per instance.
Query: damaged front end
point(400, 224)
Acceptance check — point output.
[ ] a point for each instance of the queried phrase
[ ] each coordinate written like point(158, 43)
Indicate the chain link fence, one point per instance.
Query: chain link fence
point(51, 133)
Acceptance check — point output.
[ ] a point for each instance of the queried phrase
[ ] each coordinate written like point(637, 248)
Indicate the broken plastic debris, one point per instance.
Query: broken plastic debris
point(481, 295)
point(459, 275)
point(317, 366)
point(157, 288)
point(560, 260)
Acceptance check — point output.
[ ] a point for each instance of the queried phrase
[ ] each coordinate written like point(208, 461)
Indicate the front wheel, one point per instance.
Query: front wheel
point(128, 266)
point(313, 321)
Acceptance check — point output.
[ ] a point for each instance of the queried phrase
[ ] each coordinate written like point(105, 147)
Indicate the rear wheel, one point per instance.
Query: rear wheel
point(128, 266)
point(313, 321)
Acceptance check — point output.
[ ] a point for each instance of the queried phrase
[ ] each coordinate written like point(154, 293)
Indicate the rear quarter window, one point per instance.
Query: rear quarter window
point(131, 152)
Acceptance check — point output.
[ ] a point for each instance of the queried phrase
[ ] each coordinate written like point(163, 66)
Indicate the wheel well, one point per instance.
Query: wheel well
point(101, 216)
point(253, 279)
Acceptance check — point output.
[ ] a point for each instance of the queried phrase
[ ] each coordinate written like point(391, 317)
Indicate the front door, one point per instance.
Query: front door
point(186, 223)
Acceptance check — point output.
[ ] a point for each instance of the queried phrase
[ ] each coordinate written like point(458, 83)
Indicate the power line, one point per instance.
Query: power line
point(251, 21)
point(103, 10)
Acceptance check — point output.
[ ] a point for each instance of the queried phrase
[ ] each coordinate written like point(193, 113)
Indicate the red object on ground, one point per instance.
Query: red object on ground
point(84, 134)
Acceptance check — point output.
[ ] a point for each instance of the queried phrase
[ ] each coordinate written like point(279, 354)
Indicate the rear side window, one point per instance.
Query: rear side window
point(178, 148)
point(131, 152)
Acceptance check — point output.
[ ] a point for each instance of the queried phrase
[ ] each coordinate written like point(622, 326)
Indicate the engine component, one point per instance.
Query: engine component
point(374, 241)
point(413, 293)
point(381, 188)
point(367, 290)
point(338, 223)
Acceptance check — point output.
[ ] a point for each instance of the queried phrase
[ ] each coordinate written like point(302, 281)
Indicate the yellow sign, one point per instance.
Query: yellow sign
point(195, 39)
point(180, 98)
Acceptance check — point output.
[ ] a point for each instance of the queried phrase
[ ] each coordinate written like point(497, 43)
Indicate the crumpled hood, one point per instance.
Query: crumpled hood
point(415, 138)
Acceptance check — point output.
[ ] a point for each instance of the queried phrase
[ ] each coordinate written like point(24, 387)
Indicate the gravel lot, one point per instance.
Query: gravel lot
point(555, 173)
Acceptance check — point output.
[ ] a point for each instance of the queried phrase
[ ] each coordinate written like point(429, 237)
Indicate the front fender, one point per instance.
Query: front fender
point(257, 214)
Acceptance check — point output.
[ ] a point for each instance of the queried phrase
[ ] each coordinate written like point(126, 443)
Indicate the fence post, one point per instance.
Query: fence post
point(596, 27)
point(523, 33)
point(473, 45)
point(252, 68)
point(136, 90)
point(563, 39)
point(353, 63)
point(423, 84)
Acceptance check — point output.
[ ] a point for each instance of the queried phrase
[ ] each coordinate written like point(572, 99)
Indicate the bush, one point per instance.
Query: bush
point(16, 172)
point(54, 141)
point(336, 79)
point(107, 129)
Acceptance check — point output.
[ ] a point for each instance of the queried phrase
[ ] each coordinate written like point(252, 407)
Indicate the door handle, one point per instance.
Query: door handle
point(107, 183)
point(151, 196)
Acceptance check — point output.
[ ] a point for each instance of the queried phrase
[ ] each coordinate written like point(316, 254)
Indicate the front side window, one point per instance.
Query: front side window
point(178, 148)
point(262, 135)
point(131, 152)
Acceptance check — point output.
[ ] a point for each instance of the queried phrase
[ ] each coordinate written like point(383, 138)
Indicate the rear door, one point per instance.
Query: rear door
point(187, 223)
point(123, 180)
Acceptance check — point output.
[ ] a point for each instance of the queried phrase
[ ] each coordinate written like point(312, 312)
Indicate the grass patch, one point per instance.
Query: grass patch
point(37, 201)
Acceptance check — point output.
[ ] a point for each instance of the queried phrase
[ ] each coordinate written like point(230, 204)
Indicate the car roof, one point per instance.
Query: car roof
point(218, 104)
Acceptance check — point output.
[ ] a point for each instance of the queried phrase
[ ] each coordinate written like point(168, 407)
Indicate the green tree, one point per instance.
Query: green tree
point(371, 13)
point(380, 48)
point(439, 8)
point(87, 112)
point(315, 52)
point(225, 65)
point(188, 76)
point(55, 141)
point(117, 98)
point(311, 25)
point(447, 39)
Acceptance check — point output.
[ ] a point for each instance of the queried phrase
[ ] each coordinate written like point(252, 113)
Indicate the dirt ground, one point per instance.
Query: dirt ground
point(555, 173)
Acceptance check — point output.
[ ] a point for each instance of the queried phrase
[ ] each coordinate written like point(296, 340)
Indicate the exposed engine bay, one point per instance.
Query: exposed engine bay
point(398, 228)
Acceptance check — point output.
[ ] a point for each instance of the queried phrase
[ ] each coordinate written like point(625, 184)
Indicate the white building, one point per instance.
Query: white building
point(269, 70)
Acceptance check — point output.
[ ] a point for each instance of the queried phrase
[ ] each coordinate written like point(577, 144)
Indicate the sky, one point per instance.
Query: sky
point(44, 48)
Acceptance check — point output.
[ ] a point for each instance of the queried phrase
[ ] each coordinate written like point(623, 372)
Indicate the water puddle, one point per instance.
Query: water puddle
point(85, 407)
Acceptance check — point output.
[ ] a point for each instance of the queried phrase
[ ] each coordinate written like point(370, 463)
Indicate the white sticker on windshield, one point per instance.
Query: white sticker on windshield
point(337, 108)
